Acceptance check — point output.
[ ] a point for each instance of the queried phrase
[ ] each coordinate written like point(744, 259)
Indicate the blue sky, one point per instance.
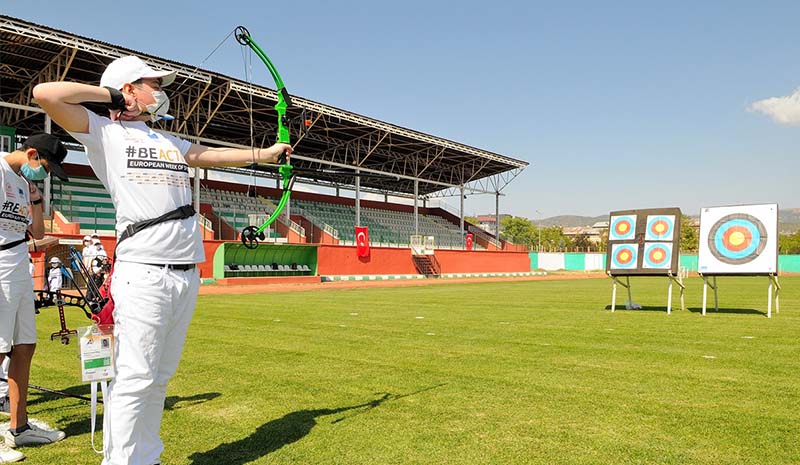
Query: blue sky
point(616, 105)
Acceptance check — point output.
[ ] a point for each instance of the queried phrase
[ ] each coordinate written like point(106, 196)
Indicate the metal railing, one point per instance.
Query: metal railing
point(478, 232)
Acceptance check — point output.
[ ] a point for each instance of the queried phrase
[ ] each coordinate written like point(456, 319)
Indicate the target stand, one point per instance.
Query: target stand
point(739, 240)
point(644, 242)
point(773, 293)
point(627, 285)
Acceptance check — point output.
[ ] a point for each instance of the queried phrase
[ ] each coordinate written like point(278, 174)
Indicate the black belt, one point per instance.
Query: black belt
point(186, 267)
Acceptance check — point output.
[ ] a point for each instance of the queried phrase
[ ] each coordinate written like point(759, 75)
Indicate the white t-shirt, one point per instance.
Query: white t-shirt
point(15, 217)
point(147, 176)
point(55, 279)
point(88, 253)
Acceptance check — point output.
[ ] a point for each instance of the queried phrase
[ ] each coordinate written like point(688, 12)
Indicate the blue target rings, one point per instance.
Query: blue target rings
point(624, 256)
point(737, 239)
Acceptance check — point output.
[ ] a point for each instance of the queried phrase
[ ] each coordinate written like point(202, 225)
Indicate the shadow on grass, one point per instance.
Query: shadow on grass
point(177, 402)
point(275, 434)
point(81, 392)
point(645, 308)
point(737, 311)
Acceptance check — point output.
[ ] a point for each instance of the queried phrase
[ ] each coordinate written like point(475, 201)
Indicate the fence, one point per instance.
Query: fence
point(597, 262)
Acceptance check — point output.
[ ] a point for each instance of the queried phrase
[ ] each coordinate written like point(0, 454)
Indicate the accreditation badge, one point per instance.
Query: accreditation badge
point(97, 352)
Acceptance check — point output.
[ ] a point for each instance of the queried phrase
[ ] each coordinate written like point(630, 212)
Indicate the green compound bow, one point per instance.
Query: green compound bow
point(252, 234)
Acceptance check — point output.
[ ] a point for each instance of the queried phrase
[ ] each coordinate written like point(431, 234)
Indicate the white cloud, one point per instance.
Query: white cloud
point(782, 110)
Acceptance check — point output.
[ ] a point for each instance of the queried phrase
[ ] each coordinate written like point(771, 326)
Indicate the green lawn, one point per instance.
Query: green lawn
point(492, 373)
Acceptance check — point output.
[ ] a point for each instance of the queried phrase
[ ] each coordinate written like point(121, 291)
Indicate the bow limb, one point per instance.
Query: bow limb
point(251, 234)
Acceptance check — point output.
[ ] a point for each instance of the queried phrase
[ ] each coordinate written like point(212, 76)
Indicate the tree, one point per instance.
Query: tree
point(689, 235)
point(789, 244)
point(518, 230)
point(581, 243)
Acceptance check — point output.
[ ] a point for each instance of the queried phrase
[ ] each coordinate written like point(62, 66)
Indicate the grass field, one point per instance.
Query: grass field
point(491, 373)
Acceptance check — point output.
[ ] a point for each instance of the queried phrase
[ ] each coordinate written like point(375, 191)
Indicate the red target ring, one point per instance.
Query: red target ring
point(737, 238)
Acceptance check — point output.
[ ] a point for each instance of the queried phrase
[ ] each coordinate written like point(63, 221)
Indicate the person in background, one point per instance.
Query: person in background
point(88, 253)
point(20, 218)
point(99, 249)
point(55, 279)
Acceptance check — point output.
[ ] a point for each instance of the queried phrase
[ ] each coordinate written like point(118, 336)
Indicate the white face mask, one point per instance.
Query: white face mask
point(160, 108)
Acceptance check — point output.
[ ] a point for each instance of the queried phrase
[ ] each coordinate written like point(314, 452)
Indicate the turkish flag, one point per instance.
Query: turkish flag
point(469, 240)
point(362, 241)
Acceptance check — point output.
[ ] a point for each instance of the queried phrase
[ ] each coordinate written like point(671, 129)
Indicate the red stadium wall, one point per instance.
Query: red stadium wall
point(342, 260)
point(459, 261)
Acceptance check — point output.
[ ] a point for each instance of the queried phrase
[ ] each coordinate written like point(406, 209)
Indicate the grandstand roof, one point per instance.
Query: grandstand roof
point(213, 109)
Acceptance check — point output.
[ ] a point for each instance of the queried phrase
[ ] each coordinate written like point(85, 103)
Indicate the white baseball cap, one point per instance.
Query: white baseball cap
point(96, 241)
point(87, 238)
point(55, 260)
point(132, 68)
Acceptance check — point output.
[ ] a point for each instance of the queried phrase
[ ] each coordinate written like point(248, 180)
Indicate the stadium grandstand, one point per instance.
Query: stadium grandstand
point(407, 169)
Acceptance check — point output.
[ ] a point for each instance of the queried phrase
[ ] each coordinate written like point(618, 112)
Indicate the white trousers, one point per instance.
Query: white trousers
point(153, 308)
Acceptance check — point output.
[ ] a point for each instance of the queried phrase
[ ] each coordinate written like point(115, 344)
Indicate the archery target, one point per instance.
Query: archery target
point(660, 228)
point(622, 228)
point(624, 256)
point(739, 240)
point(657, 255)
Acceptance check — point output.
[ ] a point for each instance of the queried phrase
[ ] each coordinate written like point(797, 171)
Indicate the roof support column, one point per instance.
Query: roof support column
point(416, 206)
point(358, 198)
point(48, 184)
point(497, 215)
point(461, 211)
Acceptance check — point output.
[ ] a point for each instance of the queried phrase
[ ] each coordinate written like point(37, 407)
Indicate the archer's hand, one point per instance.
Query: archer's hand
point(274, 152)
point(132, 109)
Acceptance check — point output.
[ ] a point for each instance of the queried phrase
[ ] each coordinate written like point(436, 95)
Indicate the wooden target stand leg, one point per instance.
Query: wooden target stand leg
point(706, 285)
point(626, 285)
point(773, 285)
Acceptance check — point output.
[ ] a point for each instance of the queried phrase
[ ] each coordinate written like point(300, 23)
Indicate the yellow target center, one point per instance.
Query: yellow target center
point(625, 256)
point(658, 255)
point(737, 238)
point(661, 227)
point(623, 227)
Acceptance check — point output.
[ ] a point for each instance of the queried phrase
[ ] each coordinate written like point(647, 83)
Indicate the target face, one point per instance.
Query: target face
point(660, 228)
point(624, 256)
point(622, 228)
point(737, 239)
point(657, 255)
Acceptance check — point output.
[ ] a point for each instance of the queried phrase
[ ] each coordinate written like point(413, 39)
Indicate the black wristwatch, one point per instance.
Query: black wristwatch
point(36, 202)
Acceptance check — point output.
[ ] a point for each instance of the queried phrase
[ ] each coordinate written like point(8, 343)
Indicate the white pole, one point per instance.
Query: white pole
point(705, 294)
point(614, 296)
point(669, 298)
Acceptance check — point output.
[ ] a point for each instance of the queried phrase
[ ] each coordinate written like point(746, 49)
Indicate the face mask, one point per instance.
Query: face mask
point(159, 109)
point(32, 174)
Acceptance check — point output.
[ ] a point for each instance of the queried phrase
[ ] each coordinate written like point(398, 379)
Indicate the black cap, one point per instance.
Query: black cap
point(51, 149)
